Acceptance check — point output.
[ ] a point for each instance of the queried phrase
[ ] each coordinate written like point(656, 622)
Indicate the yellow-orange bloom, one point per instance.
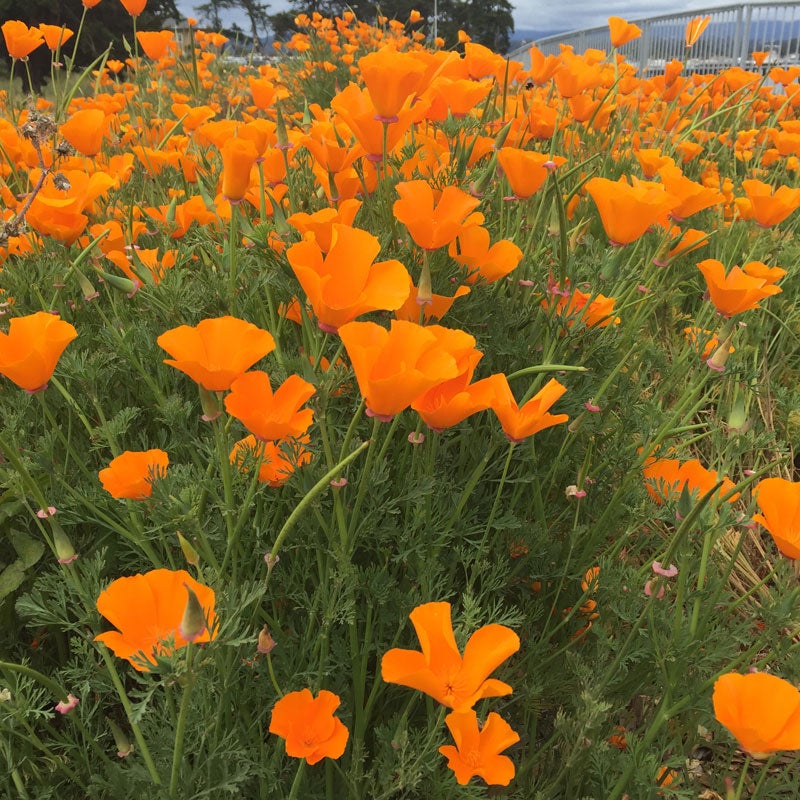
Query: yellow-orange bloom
point(520, 423)
point(770, 207)
point(216, 351)
point(157, 44)
point(762, 711)
point(391, 78)
point(238, 158)
point(308, 725)
point(695, 28)
point(84, 130)
point(477, 751)
point(440, 670)
point(130, 475)
point(30, 350)
point(133, 7)
point(148, 610)
point(55, 35)
point(276, 460)
point(668, 478)
point(736, 291)
point(779, 503)
point(20, 40)
point(622, 31)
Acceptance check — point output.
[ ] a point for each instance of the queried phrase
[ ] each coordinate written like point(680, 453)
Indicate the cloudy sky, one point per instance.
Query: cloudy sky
point(564, 15)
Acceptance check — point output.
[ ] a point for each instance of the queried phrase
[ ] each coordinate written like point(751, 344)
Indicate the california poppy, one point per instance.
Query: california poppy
point(695, 28)
point(627, 210)
point(669, 479)
point(779, 503)
point(148, 610)
point(395, 367)
point(622, 31)
point(271, 416)
point(453, 401)
point(321, 222)
point(131, 474)
point(308, 725)
point(736, 291)
point(477, 751)
point(84, 130)
point(432, 224)
point(519, 423)
point(762, 711)
point(30, 350)
point(391, 78)
point(238, 158)
point(157, 44)
point(20, 40)
point(55, 35)
point(526, 170)
point(134, 7)
point(482, 260)
point(345, 283)
point(440, 670)
point(770, 206)
point(276, 460)
point(216, 351)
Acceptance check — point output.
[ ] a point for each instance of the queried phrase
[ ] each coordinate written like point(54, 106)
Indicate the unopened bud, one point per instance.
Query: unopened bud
point(266, 644)
point(193, 623)
point(720, 356)
point(208, 401)
point(124, 747)
point(189, 553)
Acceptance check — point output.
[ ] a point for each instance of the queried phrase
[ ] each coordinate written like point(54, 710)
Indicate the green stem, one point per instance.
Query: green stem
point(180, 731)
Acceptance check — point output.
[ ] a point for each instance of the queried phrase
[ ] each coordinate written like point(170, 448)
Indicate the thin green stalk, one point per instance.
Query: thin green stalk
point(183, 715)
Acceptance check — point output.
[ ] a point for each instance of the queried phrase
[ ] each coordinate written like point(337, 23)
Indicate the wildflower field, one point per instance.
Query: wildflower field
point(389, 421)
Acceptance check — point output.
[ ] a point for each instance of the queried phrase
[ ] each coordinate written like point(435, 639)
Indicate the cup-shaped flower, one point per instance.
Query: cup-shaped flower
point(345, 283)
point(440, 670)
point(525, 170)
point(519, 423)
point(432, 224)
point(622, 31)
point(30, 350)
point(321, 223)
point(669, 479)
point(20, 40)
point(157, 44)
point(477, 750)
point(238, 158)
point(395, 367)
point(134, 7)
point(84, 130)
point(482, 260)
point(736, 291)
point(216, 351)
point(762, 711)
point(55, 35)
point(695, 28)
point(147, 611)
point(770, 206)
point(130, 475)
point(627, 210)
point(276, 460)
point(779, 503)
point(271, 416)
point(391, 78)
point(308, 725)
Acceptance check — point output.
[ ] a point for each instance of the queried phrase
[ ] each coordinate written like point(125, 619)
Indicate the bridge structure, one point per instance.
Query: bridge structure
point(733, 34)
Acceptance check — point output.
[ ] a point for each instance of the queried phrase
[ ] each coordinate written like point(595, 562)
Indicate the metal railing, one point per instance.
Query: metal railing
point(733, 33)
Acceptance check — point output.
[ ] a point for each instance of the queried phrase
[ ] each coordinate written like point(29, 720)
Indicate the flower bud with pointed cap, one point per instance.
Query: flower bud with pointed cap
point(189, 553)
point(720, 356)
point(208, 401)
point(266, 644)
point(193, 623)
point(65, 552)
point(124, 746)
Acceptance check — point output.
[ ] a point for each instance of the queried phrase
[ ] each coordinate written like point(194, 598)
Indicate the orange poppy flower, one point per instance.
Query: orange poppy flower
point(542, 67)
point(453, 401)
point(148, 610)
point(695, 28)
point(440, 671)
point(391, 78)
point(157, 44)
point(90, 3)
point(55, 36)
point(477, 751)
point(277, 460)
point(20, 40)
point(216, 351)
point(692, 196)
point(526, 170)
point(84, 130)
point(345, 283)
point(762, 711)
point(669, 478)
point(770, 207)
point(271, 416)
point(483, 260)
point(438, 306)
point(30, 350)
point(519, 423)
point(134, 7)
point(735, 292)
point(628, 210)
point(308, 725)
point(321, 223)
point(238, 158)
point(130, 476)
point(395, 367)
point(707, 340)
point(622, 31)
point(779, 503)
point(432, 224)
point(595, 311)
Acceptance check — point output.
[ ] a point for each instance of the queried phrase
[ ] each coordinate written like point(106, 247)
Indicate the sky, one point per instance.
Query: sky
point(542, 15)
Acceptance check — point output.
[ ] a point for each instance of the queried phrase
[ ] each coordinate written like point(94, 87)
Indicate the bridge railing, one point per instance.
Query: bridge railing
point(733, 33)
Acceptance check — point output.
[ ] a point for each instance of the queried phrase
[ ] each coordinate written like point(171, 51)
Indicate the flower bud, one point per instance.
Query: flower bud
point(189, 553)
point(266, 644)
point(124, 747)
point(194, 619)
